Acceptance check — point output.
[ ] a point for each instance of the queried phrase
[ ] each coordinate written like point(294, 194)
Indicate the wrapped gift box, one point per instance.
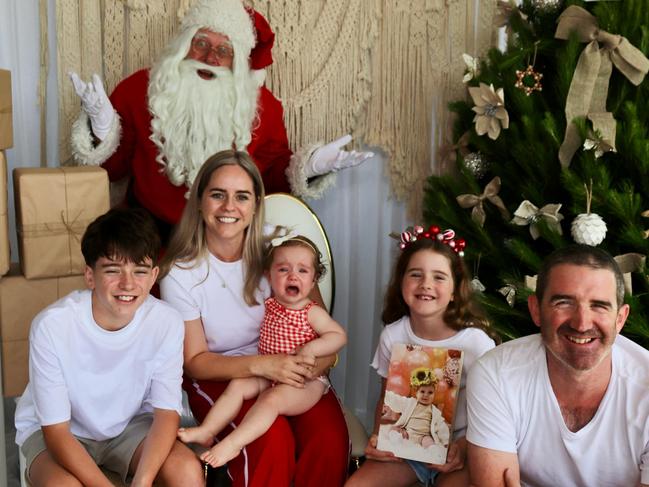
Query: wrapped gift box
point(20, 301)
point(53, 208)
point(4, 222)
point(6, 125)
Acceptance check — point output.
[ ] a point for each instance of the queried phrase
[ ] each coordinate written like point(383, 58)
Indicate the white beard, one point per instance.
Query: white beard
point(194, 118)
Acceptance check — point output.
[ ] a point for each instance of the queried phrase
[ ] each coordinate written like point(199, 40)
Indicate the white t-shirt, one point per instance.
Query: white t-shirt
point(213, 291)
point(473, 341)
point(512, 408)
point(98, 379)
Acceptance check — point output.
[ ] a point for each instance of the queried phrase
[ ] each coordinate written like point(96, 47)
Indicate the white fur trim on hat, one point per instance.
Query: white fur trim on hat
point(297, 178)
point(82, 141)
point(227, 17)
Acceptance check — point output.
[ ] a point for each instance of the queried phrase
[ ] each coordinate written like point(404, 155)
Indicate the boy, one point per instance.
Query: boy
point(105, 368)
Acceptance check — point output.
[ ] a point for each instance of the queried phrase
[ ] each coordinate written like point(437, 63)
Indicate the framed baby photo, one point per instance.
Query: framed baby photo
point(420, 401)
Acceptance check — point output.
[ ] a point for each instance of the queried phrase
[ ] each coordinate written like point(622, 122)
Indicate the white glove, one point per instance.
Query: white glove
point(95, 103)
point(329, 158)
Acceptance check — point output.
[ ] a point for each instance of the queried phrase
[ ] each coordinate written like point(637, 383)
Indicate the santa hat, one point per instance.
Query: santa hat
point(248, 31)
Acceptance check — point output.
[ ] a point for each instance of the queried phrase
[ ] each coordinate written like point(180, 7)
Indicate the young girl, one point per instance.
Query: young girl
point(292, 324)
point(429, 303)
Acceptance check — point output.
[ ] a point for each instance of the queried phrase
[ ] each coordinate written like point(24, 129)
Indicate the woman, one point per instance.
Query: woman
point(213, 275)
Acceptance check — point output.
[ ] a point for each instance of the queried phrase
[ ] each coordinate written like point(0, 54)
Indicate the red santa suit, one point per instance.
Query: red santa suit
point(136, 153)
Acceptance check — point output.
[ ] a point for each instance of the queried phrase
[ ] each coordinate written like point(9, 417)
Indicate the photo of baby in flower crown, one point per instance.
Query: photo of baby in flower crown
point(419, 402)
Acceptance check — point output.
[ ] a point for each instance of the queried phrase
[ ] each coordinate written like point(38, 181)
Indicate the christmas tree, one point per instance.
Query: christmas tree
point(552, 147)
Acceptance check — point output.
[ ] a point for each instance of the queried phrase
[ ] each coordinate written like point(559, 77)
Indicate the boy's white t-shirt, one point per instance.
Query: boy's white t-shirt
point(472, 341)
point(213, 292)
point(512, 408)
point(98, 380)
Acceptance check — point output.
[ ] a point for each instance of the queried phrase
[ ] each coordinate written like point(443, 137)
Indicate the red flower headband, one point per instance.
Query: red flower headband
point(412, 234)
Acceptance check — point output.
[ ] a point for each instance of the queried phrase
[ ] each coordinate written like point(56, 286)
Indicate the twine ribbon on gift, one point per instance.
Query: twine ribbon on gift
point(476, 202)
point(528, 214)
point(589, 87)
point(74, 229)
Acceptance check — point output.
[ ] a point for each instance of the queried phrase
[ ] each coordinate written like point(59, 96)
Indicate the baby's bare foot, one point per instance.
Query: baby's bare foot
point(221, 453)
point(196, 435)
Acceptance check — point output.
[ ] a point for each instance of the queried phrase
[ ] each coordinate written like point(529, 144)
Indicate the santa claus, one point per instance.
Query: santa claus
point(204, 95)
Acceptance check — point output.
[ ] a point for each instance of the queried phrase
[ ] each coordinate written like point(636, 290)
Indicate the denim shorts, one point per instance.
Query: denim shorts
point(424, 474)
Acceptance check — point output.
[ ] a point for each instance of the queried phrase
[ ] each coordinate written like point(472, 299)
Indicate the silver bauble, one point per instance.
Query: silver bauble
point(477, 164)
point(546, 6)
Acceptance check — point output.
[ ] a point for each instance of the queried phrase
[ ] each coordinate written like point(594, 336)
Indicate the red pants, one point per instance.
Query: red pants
point(309, 450)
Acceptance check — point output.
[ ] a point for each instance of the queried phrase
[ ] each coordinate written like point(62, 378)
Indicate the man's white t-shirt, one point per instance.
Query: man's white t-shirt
point(472, 341)
point(512, 408)
point(98, 380)
point(213, 292)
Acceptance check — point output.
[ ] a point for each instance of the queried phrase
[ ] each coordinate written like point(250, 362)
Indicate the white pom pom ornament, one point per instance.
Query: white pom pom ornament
point(588, 228)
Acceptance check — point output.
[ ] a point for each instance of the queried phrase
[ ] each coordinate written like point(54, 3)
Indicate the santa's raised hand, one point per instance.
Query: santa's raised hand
point(331, 158)
point(95, 103)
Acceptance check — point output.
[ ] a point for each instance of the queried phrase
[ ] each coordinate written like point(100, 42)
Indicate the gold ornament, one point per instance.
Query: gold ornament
point(475, 202)
point(509, 291)
point(528, 214)
point(490, 110)
point(471, 69)
point(597, 143)
point(524, 80)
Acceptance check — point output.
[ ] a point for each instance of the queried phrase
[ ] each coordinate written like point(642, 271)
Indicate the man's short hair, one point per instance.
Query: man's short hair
point(121, 234)
point(581, 255)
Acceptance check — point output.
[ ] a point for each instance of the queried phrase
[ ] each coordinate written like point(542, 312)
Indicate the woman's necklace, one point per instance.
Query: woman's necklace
point(220, 276)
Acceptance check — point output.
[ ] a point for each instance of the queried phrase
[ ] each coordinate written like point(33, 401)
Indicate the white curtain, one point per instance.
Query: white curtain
point(358, 214)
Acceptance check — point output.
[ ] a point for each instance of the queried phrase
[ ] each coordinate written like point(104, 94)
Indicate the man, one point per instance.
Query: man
point(105, 369)
point(568, 407)
point(204, 95)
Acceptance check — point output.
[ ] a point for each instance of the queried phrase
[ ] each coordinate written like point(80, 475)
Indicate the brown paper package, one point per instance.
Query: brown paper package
point(4, 222)
point(20, 301)
point(6, 123)
point(53, 208)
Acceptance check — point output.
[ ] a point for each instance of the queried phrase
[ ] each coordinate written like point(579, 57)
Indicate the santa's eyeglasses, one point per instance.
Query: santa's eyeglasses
point(203, 47)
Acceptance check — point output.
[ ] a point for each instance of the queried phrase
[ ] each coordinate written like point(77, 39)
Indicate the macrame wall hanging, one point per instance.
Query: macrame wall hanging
point(383, 70)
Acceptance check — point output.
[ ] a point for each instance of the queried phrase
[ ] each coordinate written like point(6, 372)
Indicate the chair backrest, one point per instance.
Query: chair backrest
point(291, 212)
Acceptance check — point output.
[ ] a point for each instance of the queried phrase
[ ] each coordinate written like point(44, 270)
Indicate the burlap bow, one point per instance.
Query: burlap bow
point(448, 152)
point(476, 202)
point(589, 86)
point(630, 263)
point(528, 214)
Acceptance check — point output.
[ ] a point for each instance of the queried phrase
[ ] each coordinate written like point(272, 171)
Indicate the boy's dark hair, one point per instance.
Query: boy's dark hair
point(122, 234)
point(580, 255)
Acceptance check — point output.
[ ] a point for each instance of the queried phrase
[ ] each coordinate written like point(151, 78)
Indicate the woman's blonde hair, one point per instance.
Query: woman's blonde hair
point(188, 243)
